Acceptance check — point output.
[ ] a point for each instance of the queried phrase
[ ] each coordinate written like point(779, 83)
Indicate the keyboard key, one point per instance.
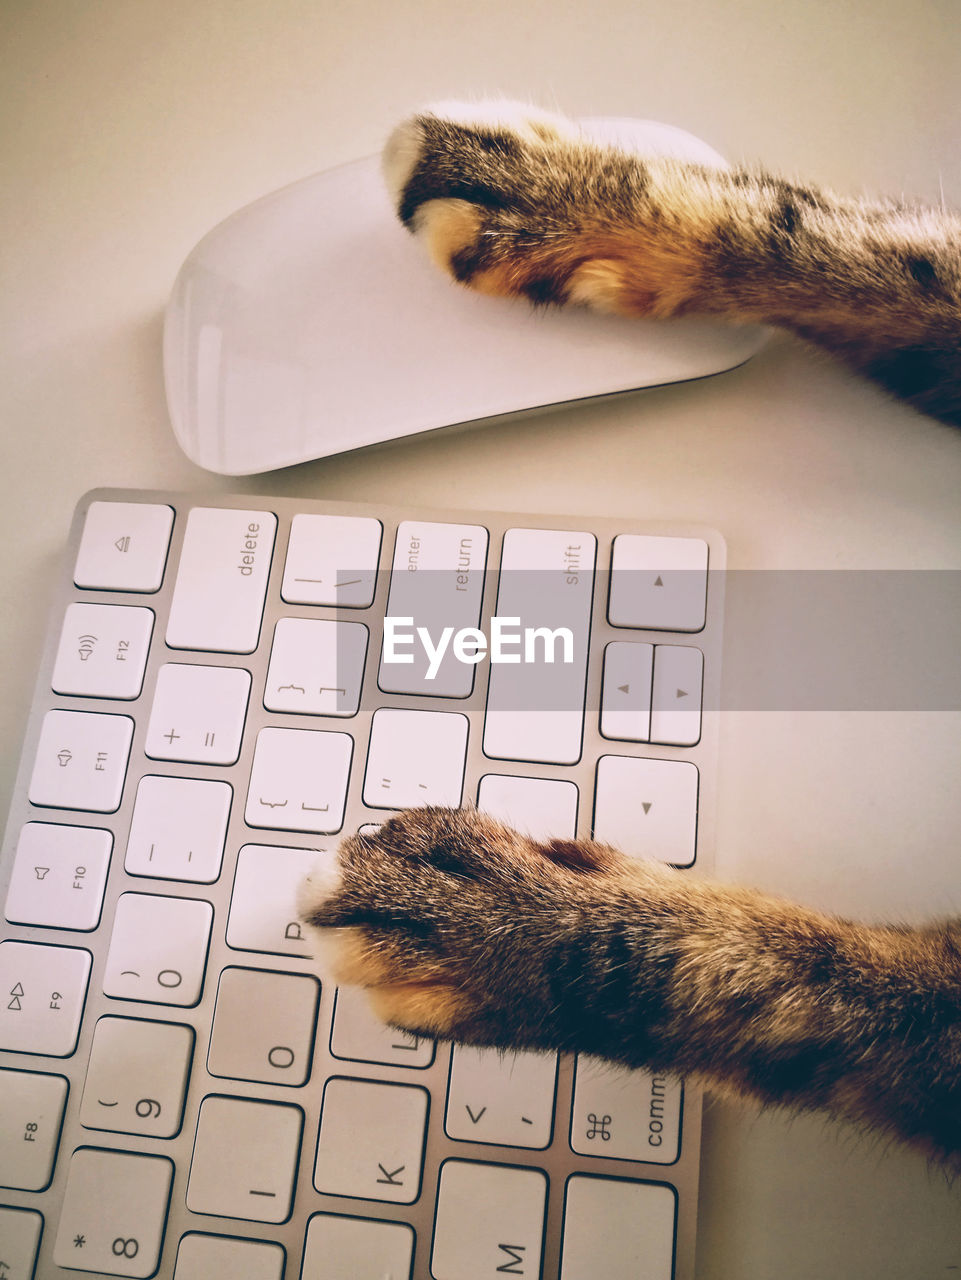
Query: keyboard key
point(178, 829)
point(42, 991)
point(371, 1140)
point(81, 761)
point(490, 1221)
point(676, 711)
point(123, 546)
point(158, 949)
point(503, 1098)
point(357, 1249)
point(299, 780)
point(20, 1231)
point(198, 714)
point(202, 1257)
point(359, 1036)
point(436, 587)
point(245, 1159)
point(332, 560)
point(623, 1230)
point(31, 1113)
point(263, 906)
point(647, 808)
point(114, 1213)
point(658, 584)
point(316, 667)
point(58, 876)
point(625, 1115)
point(371, 828)
point(137, 1077)
point(415, 758)
point(218, 598)
point(626, 691)
point(545, 808)
point(263, 1026)
point(535, 708)
point(103, 651)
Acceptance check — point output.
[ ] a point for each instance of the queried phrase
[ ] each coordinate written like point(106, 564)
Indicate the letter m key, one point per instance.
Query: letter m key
point(514, 1253)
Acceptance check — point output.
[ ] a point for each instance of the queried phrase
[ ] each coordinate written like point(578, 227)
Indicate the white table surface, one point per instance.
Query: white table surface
point(129, 129)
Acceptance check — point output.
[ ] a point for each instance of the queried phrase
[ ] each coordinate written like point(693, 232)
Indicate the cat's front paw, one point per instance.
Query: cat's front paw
point(452, 922)
point(468, 180)
point(439, 147)
point(518, 202)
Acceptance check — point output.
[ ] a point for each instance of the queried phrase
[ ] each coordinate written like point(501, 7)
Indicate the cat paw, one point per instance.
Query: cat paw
point(449, 920)
point(444, 134)
point(517, 202)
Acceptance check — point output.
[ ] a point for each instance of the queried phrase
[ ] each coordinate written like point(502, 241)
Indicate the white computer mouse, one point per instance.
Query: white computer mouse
point(311, 322)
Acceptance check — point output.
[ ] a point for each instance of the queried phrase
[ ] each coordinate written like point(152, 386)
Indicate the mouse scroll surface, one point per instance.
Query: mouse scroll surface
point(311, 322)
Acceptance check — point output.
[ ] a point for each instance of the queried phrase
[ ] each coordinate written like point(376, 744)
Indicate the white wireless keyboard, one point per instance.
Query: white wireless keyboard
point(182, 1093)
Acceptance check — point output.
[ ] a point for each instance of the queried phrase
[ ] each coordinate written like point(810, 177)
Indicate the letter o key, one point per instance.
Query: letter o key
point(281, 1056)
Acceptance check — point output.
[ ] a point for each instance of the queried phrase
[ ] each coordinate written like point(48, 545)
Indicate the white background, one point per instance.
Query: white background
point(129, 129)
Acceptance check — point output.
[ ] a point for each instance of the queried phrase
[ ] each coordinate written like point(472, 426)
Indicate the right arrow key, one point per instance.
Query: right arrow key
point(676, 701)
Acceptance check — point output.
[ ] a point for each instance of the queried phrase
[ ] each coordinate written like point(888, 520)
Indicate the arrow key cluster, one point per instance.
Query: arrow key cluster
point(652, 693)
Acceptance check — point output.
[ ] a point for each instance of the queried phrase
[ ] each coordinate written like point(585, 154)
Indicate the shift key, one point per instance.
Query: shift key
point(535, 706)
point(218, 599)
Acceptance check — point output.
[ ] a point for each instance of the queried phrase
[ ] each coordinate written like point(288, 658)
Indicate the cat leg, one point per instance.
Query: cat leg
point(459, 927)
point(518, 203)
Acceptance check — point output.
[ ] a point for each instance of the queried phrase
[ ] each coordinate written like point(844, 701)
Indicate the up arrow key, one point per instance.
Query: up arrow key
point(658, 583)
